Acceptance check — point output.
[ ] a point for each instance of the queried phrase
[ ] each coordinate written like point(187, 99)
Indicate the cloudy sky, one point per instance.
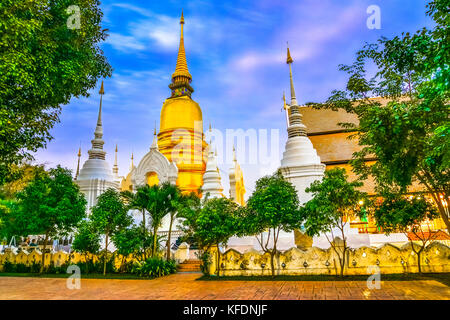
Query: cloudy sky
point(236, 53)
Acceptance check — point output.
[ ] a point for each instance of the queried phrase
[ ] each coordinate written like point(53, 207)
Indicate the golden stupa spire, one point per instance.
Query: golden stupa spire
point(181, 69)
point(289, 58)
point(289, 61)
point(155, 139)
point(132, 164)
point(78, 164)
point(181, 78)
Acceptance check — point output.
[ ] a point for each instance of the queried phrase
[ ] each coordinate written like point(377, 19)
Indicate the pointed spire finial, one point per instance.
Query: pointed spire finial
point(289, 58)
point(115, 167)
point(155, 139)
point(102, 90)
point(97, 152)
point(78, 163)
point(132, 164)
point(289, 61)
point(181, 78)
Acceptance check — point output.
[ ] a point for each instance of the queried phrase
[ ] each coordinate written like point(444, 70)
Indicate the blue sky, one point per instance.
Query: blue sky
point(236, 53)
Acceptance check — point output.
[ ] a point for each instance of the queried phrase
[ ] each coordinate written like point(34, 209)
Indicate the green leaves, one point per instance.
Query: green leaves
point(396, 213)
point(110, 214)
point(50, 204)
point(43, 65)
point(335, 200)
point(274, 203)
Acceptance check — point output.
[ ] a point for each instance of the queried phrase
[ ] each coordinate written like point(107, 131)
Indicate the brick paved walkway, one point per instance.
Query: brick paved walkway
point(184, 286)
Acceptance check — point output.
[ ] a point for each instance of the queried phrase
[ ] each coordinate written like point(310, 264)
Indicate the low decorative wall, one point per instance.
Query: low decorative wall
point(316, 261)
point(60, 258)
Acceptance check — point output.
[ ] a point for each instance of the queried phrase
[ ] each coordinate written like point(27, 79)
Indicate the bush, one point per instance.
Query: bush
point(206, 259)
point(154, 267)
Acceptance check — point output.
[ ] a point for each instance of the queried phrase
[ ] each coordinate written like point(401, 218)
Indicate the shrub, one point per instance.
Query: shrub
point(206, 259)
point(154, 267)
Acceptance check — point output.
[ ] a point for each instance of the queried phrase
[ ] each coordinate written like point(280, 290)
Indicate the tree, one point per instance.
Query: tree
point(408, 135)
point(216, 223)
point(272, 207)
point(87, 239)
point(177, 200)
point(20, 176)
point(397, 213)
point(128, 241)
point(139, 201)
point(51, 204)
point(335, 201)
point(44, 62)
point(158, 206)
point(108, 216)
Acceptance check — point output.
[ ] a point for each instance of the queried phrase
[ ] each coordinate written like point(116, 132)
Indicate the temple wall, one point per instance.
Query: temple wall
point(316, 261)
point(61, 257)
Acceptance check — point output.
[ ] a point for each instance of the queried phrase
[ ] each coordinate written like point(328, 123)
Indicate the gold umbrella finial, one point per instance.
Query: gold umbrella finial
point(102, 89)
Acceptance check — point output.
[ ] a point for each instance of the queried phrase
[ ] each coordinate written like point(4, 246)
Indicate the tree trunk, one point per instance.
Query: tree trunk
point(144, 233)
point(218, 261)
point(106, 255)
point(43, 253)
point(272, 264)
point(155, 230)
point(419, 266)
point(168, 239)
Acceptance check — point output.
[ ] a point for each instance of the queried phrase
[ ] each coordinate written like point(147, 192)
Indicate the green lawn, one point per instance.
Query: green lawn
point(441, 277)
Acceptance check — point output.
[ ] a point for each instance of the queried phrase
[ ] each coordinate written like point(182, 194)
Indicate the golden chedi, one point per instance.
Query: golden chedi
point(180, 138)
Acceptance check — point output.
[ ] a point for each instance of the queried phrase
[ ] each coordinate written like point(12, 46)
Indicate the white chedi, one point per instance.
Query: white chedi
point(212, 186)
point(300, 164)
point(96, 176)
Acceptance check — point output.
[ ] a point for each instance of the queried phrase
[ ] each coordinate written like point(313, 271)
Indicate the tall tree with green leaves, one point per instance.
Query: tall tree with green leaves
point(46, 59)
point(158, 206)
point(396, 213)
point(139, 201)
point(50, 205)
point(408, 133)
point(335, 201)
point(128, 241)
point(87, 239)
point(216, 224)
point(272, 207)
point(177, 201)
point(109, 216)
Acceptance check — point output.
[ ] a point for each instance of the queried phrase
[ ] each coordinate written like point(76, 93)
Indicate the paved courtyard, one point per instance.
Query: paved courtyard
point(184, 286)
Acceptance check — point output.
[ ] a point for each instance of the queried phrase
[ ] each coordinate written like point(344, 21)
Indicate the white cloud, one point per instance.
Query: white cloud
point(124, 43)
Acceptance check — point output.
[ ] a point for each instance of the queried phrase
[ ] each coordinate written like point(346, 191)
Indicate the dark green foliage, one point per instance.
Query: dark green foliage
point(206, 259)
point(85, 267)
point(43, 64)
point(154, 267)
point(399, 214)
point(87, 239)
point(129, 241)
point(51, 204)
